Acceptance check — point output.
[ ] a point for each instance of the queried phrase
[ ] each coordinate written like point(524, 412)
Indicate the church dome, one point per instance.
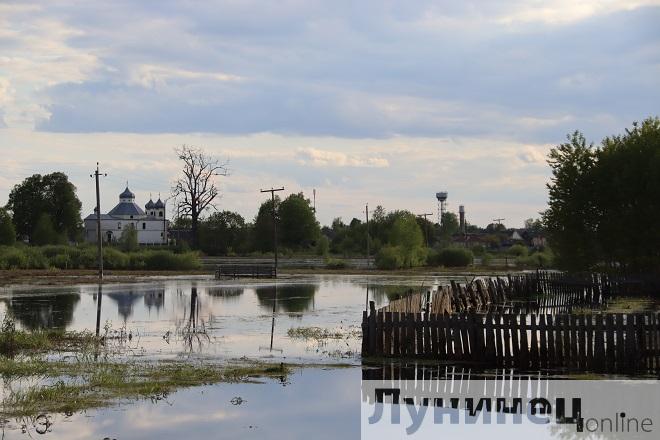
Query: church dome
point(127, 194)
point(150, 205)
point(159, 204)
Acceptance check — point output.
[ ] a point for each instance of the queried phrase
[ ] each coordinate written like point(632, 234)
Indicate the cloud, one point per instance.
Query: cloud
point(324, 158)
point(152, 76)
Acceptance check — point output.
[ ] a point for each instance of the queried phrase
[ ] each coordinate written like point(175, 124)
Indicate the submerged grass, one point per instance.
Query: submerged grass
point(37, 380)
point(321, 334)
point(92, 385)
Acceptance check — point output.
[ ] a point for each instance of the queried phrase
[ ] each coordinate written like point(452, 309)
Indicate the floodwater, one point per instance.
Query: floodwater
point(207, 318)
point(217, 320)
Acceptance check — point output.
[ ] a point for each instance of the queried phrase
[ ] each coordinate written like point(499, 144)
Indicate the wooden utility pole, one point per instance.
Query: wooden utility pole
point(426, 232)
point(98, 221)
point(272, 192)
point(366, 213)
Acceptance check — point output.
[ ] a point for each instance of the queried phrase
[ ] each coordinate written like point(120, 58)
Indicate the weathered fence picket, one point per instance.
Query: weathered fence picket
point(589, 342)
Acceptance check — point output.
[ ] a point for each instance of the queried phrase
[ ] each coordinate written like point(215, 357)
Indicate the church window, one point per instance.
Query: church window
point(160, 214)
point(118, 225)
point(144, 226)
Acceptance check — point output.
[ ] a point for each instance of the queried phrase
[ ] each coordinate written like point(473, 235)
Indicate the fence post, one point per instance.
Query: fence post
point(372, 328)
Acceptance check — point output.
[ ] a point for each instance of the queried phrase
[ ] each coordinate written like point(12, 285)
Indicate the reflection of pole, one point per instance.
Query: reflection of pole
point(98, 309)
point(272, 192)
point(366, 305)
point(272, 325)
point(193, 307)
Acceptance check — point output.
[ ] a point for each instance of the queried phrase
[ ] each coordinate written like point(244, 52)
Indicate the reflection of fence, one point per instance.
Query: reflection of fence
point(597, 342)
point(246, 271)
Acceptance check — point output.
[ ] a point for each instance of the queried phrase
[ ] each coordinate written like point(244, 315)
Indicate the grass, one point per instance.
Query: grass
point(625, 304)
point(320, 334)
point(86, 377)
point(14, 341)
point(94, 385)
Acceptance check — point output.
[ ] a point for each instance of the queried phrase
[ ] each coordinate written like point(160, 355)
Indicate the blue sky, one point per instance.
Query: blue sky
point(384, 102)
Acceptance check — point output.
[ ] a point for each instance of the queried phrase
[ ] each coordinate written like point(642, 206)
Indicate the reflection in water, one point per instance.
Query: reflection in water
point(272, 324)
point(126, 300)
point(291, 298)
point(383, 294)
point(43, 311)
point(225, 292)
point(99, 299)
point(192, 330)
point(154, 299)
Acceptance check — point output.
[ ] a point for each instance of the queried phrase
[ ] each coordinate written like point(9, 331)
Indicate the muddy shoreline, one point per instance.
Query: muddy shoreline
point(56, 277)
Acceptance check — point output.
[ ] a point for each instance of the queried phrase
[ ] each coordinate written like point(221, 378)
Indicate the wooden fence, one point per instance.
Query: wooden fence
point(246, 271)
point(588, 342)
point(486, 295)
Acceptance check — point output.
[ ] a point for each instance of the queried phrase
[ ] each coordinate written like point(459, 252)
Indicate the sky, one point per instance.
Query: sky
point(381, 102)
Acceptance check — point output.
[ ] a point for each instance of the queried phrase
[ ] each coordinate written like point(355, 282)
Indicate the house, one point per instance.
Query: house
point(151, 224)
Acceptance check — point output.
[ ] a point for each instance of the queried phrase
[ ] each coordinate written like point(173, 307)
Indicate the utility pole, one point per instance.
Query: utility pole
point(499, 220)
point(366, 213)
point(314, 206)
point(98, 221)
point(272, 192)
point(426, 232)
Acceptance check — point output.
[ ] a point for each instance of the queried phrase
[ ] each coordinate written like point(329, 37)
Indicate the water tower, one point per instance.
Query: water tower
point(442, 204)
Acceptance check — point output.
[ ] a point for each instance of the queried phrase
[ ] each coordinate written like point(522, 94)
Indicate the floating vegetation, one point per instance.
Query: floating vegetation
point(322, 334)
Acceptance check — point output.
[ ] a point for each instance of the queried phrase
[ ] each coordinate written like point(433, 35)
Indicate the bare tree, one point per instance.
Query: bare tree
point(196, 189)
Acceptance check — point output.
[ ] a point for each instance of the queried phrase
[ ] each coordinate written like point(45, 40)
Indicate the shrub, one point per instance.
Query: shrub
point(537, 259)
point(7, 230)
point(486, 259)
point(389, 257)
point(164, 260)
point(128, 241)
point(12, 258)
point(322, 246)
point(518, 250)
point(114, 259)
point(87, 258)
point(137, 260)
point(61, 261)
point(478, 250)
point(336, 263)
point(44, 232)
point(452, 257)
point(36, 258)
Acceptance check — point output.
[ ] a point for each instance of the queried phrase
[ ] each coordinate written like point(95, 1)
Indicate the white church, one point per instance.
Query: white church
point(151, 224)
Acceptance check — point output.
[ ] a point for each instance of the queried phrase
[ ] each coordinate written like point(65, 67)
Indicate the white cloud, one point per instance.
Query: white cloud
point(36, 55)
point(154, 76)
point(567, 11)
point(325, 158)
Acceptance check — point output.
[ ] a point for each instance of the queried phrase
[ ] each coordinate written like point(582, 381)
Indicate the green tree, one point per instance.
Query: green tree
point(44, 232)
point(128, 241)
point(298, 224)
point(7, 230)
point(263, 226)
point(223, 232)
point(407, 236)
point(50, 194)
point(603, 202)
point(571, 217)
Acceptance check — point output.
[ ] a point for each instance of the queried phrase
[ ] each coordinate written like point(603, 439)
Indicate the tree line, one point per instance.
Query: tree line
point(604, 201)
point(602, 208)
